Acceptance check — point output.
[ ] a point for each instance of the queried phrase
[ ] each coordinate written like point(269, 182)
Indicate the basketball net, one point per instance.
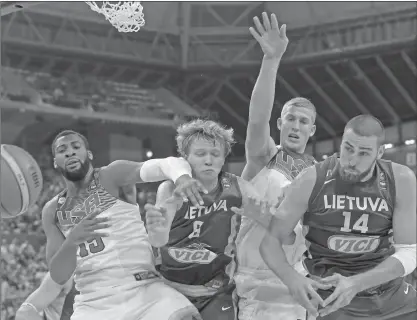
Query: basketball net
point(125, 16)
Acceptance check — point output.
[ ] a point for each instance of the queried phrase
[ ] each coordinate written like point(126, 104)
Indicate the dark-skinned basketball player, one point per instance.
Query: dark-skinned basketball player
point(101, 239)
point(359, 218)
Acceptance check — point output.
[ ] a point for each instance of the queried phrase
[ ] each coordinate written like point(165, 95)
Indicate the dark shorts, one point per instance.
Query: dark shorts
point(216, 307)
point(399, 303)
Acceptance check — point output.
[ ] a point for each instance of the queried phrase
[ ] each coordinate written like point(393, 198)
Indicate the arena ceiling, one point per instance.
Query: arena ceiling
point(348, 57)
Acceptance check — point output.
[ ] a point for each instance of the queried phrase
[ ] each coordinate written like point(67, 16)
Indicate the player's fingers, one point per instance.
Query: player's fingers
point(339, 303)
point(274, 22)
point(149, 207)
point(255, 34)
point(190, 196)
point(101, 234)
point(259, 26)
point(283, 31)
point(314, 295)
point(267, 24)
point(181, 194)
point(332, 297)
point(307, 304)
point(153, 214)
point(197, 195)
point(98, 226)
point(200, 187)
point(320, 285)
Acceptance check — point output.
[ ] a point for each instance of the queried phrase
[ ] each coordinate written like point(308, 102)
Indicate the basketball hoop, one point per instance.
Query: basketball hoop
point(125, 16)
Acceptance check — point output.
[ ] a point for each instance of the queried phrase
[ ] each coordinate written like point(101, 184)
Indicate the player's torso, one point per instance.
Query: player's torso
point(201, 241)
point(269, 183)
point(109, 260)
point(348, 227)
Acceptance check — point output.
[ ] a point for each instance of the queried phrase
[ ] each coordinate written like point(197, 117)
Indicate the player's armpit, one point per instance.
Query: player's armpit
point(124, 172)
point(294, 204)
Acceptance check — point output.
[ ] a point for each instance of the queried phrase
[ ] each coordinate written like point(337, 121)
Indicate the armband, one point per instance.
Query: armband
point(27, 304)
point(162, 169)
point(406, 254)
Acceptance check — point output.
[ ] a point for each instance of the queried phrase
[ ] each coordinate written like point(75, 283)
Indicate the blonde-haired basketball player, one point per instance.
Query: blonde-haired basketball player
point(101, 239)
point(197, 244)
point(270, 168)
point(47, 302)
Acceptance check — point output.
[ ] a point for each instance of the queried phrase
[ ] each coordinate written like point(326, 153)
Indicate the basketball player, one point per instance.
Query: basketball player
point(48, 302)
point(270, 168)
point(197, 244)
point(359, 217)
point(110, 254)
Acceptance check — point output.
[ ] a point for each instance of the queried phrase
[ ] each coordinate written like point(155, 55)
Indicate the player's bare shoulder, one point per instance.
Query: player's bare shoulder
point(405, 180)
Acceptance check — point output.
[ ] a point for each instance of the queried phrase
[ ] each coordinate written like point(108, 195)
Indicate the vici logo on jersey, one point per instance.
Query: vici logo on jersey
point(196, 212)
point(353, 244)
point(344, 202)
point(74, 216)
point(195, 253)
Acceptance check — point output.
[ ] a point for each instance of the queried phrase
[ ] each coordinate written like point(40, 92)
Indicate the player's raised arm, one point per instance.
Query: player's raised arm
point(291, 210)
point(259, 145)
point(124, 172)
point(159, 217)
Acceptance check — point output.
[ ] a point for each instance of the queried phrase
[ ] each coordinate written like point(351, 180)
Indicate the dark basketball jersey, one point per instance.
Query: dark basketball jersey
point(202, 239)
point(349, 225)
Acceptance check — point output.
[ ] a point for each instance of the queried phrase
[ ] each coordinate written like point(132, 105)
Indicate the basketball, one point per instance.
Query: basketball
point(21, 181)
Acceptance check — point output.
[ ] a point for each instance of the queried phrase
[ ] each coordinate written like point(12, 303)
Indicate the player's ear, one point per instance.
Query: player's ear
point(55, 165)
point(90, 155)
point(313, 130)
point(279, 123)
point(381, 151)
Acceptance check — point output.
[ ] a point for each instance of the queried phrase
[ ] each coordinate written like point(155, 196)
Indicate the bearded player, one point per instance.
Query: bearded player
point(110, 254)
point(197, 244)
point(270, 168)
point(359, 216)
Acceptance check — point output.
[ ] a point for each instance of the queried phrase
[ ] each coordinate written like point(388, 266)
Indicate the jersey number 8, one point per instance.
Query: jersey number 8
point(95, 245)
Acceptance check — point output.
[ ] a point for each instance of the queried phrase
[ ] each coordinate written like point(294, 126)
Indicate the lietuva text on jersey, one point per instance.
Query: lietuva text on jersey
point(202, 239)
point(114, 260)
point(348, 226)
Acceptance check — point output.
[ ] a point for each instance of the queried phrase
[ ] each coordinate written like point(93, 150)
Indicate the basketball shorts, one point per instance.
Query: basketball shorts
point(216, 307)
point(398, 303)
point(150, 301)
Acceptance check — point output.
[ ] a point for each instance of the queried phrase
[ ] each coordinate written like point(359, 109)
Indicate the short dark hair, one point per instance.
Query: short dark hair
point(67, 133)
point(367, 125)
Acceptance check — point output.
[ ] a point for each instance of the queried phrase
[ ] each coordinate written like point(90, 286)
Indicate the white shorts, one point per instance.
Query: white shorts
point(256, 310)
point(151, 301)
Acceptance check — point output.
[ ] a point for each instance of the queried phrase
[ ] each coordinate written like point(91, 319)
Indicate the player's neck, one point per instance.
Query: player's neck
point(74, 187)
point(300, 150)
point(369, 175)
point(210, 184)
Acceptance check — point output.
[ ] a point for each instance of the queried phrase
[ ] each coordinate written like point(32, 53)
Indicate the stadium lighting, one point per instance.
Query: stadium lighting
point(149, 154)
point(324, 156)
point(388, 145)
point(409, 142)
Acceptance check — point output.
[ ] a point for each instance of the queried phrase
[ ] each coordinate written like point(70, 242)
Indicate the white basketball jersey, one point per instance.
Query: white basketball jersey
point(254, 280)
point(106, 263)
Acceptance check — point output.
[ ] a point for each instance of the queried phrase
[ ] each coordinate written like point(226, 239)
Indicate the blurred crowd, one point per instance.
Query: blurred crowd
point(81, 92)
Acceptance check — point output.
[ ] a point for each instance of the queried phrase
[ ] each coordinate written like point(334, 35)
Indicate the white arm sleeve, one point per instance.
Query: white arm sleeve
point(170, 168)
point(406, 254)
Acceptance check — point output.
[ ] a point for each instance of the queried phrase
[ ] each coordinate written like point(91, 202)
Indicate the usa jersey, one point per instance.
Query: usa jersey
point(201, 240)
point(348, 226)
point(106, 263)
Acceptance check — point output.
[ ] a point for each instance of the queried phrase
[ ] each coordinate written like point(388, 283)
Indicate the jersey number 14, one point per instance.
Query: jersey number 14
point(360, 225)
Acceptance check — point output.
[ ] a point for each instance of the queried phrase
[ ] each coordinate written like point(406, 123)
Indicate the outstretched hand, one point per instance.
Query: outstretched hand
point(272, 39)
